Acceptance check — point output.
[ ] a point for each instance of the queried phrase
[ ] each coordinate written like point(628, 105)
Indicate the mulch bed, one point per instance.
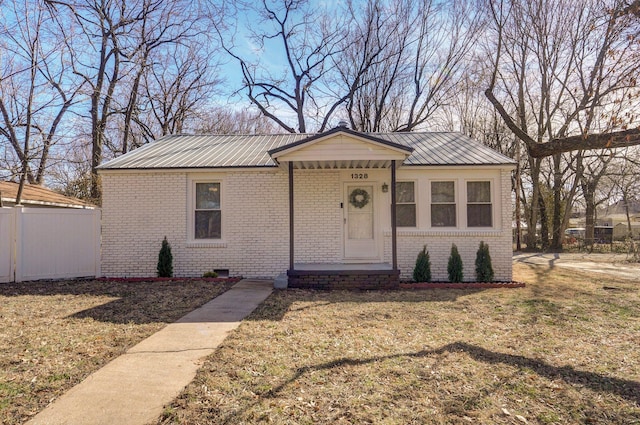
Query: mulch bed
point(170, 279)
point(462, 285)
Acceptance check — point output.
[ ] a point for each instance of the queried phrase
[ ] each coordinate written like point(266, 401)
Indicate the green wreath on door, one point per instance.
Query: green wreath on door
point(359, 198)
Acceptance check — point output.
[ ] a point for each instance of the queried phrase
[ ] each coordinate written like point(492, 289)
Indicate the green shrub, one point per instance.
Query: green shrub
point(210, 274)
point(422, 271)
point(165, 260)
point(454, 267)
point(484, 270)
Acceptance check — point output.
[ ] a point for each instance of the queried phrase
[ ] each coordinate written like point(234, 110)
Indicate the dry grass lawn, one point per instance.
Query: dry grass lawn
point(54, 334)
point(563, 350)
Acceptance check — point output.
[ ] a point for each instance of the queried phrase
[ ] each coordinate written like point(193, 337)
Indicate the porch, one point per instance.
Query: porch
point(347, 238)
point(344, 276)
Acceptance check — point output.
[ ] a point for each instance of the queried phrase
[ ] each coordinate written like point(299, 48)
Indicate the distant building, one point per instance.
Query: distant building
point(38, 196)
point(620, 224)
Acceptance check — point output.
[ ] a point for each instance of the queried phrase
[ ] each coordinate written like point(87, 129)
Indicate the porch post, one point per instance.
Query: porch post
point(394, 248)
point(291, 238)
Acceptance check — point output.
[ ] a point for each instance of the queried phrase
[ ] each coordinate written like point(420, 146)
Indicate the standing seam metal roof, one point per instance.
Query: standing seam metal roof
point(231, 151)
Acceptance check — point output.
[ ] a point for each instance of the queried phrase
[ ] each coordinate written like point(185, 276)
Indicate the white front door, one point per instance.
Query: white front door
point(359, 223)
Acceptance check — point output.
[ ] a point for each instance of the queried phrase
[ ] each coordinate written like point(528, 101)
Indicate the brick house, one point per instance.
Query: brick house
point(339, 208)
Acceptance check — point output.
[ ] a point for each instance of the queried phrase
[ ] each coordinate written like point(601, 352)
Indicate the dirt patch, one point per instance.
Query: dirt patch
point(561, 350)
point(54, 334)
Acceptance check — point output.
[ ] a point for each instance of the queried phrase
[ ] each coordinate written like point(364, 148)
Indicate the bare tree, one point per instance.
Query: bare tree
point(298, 39)
point(96, 32)
point(590, 52)
point(420, 51)
point(375, 52)
point(177, 88)
point(559, 67)
point(118, 46)
point(167, 42)
point(35, 89)
point(225, 120)
point(622, 178)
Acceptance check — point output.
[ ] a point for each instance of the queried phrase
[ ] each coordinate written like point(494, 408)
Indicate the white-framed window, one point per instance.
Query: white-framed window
point(405, 204)
point(479, 206)
point(443, 204)
point(207, 211)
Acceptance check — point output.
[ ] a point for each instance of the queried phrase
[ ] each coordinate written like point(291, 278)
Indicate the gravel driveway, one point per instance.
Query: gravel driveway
point(611, 264)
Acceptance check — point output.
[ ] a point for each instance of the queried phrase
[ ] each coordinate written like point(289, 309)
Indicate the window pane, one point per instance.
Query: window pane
point(208, 225)
point(207, 196)
point(404, 192)
point(406, 215)
point(479, 215)
point(443, 215)
point(478, 192)
point(442, 192)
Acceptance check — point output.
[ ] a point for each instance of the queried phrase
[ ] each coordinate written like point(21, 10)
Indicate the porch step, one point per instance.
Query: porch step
point(328, 279)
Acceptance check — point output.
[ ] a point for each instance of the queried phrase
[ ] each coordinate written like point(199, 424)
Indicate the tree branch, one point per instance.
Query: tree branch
point(613, 140)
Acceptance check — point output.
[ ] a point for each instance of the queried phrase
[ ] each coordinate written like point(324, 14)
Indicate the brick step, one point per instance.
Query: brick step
point(344, 279)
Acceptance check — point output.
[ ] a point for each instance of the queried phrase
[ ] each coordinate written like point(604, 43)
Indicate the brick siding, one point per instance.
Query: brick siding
point(140, 208)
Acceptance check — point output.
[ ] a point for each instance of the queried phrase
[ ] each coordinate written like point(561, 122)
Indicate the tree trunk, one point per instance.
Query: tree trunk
point(544, 224)
point(556, 243)
point(532, 216)
point(590, 211)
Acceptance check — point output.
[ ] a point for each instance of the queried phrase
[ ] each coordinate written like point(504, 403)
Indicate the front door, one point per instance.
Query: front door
point(359, 223)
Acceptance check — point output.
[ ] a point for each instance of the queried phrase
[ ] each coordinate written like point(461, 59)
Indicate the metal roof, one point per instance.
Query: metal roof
point(229, 151)
point(39, 196)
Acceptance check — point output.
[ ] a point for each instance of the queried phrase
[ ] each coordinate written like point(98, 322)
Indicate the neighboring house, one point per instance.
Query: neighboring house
point(320, 207)
point(620, 225)
point(38, 196)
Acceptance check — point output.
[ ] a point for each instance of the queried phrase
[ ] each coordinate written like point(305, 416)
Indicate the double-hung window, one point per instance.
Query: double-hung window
point(405, 204)
point(479, 211)
point(443, 204)
point(208, 214)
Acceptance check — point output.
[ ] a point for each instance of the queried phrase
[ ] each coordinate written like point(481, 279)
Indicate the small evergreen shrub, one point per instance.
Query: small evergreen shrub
point(210, 274)
point(422, 271)
point(484, 270)
point(454, 267)
point(165, 260)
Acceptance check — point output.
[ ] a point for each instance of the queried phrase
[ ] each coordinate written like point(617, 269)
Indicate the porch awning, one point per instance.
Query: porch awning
point(341, 148)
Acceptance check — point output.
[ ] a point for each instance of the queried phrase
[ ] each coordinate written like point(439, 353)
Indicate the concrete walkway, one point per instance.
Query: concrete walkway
point(135, 387)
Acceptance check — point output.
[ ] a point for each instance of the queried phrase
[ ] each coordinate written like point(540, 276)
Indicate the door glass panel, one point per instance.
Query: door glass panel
point(360, 226)
point(360, 222)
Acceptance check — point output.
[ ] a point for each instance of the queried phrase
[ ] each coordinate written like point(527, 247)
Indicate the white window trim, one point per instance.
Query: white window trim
point(456, 198)
point(492, 188)
point(191, 205)
point(416, 195)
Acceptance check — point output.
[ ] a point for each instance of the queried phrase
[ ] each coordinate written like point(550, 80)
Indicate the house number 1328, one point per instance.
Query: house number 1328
point(359, 176)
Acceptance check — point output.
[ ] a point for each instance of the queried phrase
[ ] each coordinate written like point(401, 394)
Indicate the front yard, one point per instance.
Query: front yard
point(562, 350)
point(54, 334)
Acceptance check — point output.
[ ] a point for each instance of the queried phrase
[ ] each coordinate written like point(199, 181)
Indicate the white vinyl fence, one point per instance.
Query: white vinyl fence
point(49, 243)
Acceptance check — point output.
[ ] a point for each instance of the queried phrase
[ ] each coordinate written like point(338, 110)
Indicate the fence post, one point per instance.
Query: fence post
point(7, 223)
point(97, 219)
point(18, 260)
